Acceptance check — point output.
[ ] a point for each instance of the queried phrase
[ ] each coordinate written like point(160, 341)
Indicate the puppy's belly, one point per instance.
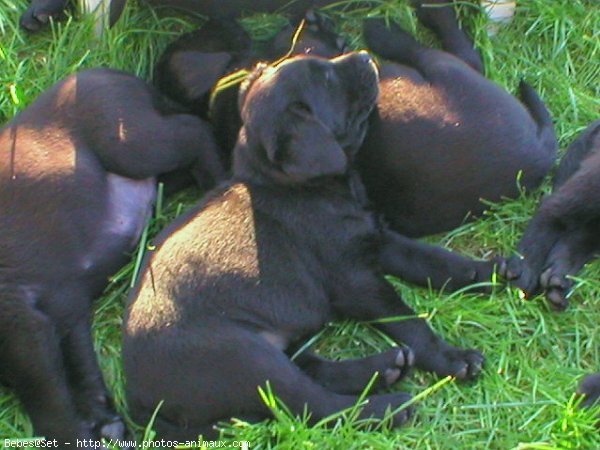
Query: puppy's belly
point(128, 208)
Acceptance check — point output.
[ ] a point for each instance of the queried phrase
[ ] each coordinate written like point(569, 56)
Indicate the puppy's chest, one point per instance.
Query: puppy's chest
point(336, 229)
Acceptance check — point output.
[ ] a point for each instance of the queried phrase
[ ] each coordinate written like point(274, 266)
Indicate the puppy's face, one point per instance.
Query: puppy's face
point(307, 117)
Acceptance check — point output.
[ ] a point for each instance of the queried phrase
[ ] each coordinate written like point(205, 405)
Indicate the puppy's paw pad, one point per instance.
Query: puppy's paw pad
point(402, 361)
point(469, 363)
point(379, 407)
point(114, 430)
point(513, 269)
point(557, 287)
point(391, 376)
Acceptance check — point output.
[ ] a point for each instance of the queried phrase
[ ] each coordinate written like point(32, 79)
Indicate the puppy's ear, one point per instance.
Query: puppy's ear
point(307, 149)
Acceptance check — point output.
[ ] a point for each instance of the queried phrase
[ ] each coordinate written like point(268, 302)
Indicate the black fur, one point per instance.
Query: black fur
point(590, 389)
point(564, 234)
point(77, 184)
point(266, 260)
point(441, 139)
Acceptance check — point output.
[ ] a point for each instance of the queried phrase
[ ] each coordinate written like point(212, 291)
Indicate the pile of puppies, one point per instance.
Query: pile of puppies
point(325, 167)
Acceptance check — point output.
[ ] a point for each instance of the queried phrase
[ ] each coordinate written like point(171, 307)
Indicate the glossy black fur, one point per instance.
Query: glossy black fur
point(77, 184)
point(564, 234)
point(442, 138)
point(267, 259)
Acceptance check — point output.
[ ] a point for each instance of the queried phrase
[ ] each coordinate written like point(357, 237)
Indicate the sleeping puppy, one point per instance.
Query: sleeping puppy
point(77, 185)
point(564, 234)
point(442, 136)
point(266, 260)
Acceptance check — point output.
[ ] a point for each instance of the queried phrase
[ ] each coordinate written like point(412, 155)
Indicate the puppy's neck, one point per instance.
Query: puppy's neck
point(250, 167)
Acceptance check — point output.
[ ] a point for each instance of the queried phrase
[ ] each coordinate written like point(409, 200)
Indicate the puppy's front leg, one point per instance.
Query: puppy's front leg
point(425, 264)
point(368, 297)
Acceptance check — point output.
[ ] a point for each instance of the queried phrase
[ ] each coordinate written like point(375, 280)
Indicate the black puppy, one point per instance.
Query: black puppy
point(270, 257)
point(441, 139)
point(564, 234)
point(444, 137)
point(77, 184)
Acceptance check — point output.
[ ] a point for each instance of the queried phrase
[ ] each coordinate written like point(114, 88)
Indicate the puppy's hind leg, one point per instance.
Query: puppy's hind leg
point(391, 43)
point(351, 376)
point(224, 367)
point(85, 379)
point(439, 16)
point(32, 362)
point(397, 45)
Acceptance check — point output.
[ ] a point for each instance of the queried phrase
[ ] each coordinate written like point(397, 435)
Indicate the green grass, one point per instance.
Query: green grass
point(535, 357)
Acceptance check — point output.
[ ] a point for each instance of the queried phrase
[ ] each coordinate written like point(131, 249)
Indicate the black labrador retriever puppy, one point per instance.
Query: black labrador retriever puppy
point(267, 259)
point(442, 137)
point(77, 185)
point(564, 234)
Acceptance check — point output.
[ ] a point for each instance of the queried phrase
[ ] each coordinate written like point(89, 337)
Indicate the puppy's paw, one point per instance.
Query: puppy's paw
point(324, 26)
point(460, 363)
point(556, 286)
point(110, 428)
point(113, 430)
point(399, 363)
point(38, 14)
point(379, 407)
point(483, 272)
point(518, 273)
point(590, 389)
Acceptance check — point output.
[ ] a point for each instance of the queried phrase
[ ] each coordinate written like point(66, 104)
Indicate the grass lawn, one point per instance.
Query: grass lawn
point(535, 357)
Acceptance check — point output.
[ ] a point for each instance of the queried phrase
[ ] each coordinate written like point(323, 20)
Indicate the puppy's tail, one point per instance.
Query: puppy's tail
point(542, 118)
point(391, 43)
